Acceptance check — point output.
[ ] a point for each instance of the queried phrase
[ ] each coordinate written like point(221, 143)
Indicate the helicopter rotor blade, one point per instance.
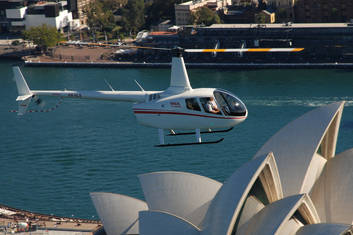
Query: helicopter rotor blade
point(148, 48)
point(215, 50)
point(245, 50)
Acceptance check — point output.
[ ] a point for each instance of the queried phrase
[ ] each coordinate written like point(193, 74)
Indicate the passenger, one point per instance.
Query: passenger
point(211, 106)
point(189, 105)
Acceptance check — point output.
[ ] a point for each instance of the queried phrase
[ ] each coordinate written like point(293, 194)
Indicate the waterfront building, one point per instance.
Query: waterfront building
point(164, 39)
point(323, 11)
point(322, 42)
point(12, 11)
point(15, 18)
point(19, 17)
point(330, 42)
point(265, 17)
point(238, 14)
point(49, 13)
point(295, 184)
point(184, 10)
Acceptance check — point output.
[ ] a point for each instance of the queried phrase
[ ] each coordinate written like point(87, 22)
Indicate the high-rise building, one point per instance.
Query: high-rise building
point(77, 7)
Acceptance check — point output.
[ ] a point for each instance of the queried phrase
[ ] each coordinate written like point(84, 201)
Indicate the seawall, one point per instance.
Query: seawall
point(196, 65)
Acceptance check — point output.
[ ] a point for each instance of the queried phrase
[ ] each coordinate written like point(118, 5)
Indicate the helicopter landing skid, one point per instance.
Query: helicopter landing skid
point(192, 143)
point(202, 132)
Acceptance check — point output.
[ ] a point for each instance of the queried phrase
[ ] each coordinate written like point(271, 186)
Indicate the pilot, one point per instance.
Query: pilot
point(211, 106)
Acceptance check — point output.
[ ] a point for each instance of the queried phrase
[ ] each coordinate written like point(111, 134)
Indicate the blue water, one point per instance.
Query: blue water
point(49, 162)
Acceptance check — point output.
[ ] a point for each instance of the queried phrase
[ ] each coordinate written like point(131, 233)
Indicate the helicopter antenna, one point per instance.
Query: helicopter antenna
point(111, 88)
point(139, 85)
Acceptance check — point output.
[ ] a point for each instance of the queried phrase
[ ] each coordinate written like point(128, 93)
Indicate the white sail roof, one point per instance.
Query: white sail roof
point(324, 229)
point(226, 206)
point(296, 145)
point(159, 222)
point(183, 194)
point(274, 218)
point(119, 213)
point(333, 192)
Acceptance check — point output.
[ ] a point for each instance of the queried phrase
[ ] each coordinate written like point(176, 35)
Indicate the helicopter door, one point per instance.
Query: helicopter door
point(229, 104)
point(209, 105)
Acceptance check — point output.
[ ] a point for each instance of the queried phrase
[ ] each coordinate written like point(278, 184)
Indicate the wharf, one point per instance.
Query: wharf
point(22, 222)
point(194, 65)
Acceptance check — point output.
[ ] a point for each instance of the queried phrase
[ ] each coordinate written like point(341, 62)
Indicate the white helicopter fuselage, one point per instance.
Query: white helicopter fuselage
point(171, 112)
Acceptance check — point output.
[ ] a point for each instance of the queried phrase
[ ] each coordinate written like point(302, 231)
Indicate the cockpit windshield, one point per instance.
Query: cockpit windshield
point(229, 104)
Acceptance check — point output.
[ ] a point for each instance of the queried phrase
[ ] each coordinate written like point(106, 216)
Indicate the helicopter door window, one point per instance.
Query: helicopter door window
point(222, 103)
point(192, 104)
point(209, 105)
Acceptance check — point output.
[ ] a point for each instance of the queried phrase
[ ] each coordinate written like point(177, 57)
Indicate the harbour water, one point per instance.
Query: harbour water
point(49, 162)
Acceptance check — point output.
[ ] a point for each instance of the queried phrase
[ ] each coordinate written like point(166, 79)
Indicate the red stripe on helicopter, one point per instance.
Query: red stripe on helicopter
point(151, 111)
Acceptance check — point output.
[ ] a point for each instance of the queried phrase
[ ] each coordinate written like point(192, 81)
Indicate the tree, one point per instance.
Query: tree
point(100, 17)
point(133, 17)
point(43, 36)
point(205, 16)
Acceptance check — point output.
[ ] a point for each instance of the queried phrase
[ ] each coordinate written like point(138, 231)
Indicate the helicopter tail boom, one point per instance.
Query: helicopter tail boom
point(26, 95)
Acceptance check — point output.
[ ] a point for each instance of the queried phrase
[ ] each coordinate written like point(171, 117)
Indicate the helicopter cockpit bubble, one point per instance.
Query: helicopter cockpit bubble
point(229, 104)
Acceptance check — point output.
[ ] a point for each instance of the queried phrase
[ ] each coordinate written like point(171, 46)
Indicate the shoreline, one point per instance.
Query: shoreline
point(193, 65)
point(14, 220)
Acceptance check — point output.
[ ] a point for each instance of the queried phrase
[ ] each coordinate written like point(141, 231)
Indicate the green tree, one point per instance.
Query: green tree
point(113, 5)
point(205, 16)
point(43, 36)
point(133, 17)
point(99, 17)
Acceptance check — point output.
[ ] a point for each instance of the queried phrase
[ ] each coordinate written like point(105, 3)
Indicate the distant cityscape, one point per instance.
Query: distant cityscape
point(17, 15)
point(323, 27)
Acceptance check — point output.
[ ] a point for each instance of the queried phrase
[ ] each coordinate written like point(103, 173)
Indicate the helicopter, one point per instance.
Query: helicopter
point(179, 107)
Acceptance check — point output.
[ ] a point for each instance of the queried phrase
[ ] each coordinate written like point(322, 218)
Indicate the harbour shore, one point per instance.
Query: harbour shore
point(14, 220)
point(84, 56)
point(193, 65)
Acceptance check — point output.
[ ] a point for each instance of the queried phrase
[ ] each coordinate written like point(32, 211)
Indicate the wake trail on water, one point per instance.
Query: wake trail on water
point(277, 101)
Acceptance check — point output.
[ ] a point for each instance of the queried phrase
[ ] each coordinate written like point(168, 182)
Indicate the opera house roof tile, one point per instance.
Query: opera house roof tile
point(294, 185)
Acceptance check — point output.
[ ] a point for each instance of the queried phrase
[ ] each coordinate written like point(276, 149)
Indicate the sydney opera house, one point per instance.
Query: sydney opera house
point(296, 184)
